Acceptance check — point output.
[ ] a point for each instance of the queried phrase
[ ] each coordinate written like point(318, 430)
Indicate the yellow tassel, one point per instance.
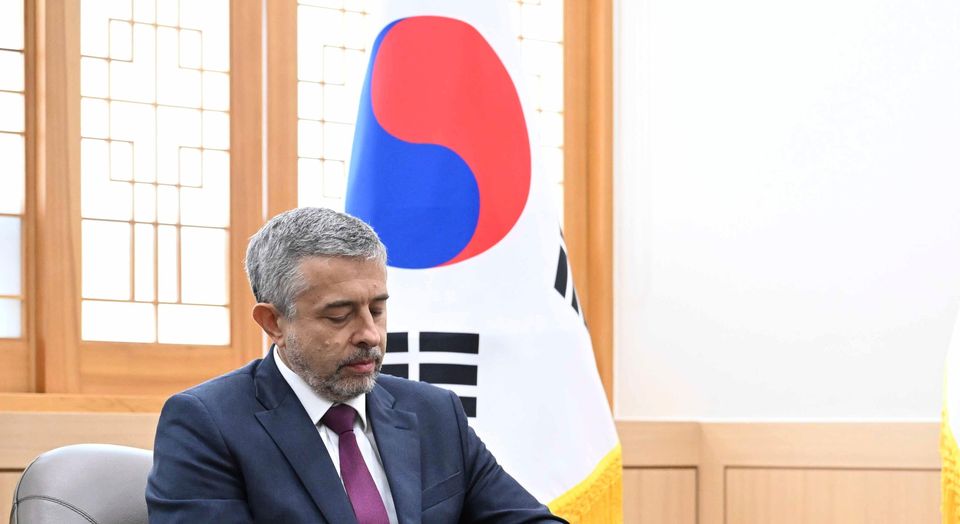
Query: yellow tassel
point(599, 498)
point(949, 474)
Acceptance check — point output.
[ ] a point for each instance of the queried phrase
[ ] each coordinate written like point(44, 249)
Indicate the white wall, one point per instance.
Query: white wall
point(787, 213)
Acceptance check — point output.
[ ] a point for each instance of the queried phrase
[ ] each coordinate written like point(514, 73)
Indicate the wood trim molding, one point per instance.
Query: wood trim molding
point(588, 168)
point(575, 117)
point(154, 369)
point(58, 195)
point(52, 402)
point(659, 444)
point(890, 445)
point(29, 263)
point(246, 168)
point(714, 448)
point(600, 188)
point(895, 445)
point(281, 106)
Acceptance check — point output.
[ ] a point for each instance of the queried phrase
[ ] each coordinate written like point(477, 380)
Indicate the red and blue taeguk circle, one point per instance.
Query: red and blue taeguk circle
point(441, 155)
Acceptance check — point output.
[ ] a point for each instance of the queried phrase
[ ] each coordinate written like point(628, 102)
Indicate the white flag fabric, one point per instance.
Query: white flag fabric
point(482, 297)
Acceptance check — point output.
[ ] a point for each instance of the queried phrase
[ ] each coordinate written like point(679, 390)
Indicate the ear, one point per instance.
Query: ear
point(269, 319)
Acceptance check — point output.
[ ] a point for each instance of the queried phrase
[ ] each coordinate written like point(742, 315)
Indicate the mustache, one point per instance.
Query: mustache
point(362, 354)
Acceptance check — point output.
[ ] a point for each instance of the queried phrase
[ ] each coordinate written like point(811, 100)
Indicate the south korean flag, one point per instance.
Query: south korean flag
point(482, 298)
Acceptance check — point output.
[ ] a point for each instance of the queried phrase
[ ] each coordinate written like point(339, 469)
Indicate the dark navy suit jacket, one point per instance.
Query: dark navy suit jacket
point(241, 448)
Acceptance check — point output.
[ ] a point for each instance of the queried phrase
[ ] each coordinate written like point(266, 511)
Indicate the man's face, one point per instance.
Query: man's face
point(337, 338)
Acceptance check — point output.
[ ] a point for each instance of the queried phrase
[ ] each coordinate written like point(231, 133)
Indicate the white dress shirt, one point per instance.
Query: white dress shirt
point(316, 406)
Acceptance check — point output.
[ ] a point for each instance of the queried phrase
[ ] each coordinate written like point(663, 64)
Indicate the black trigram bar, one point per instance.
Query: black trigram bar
point(469, 405)
point(450, 342)
point(449, 374)
point(397, 370)
point(397, 343)
point(560, 284)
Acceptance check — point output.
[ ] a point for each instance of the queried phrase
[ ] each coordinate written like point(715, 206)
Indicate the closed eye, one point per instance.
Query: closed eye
point(338, 319)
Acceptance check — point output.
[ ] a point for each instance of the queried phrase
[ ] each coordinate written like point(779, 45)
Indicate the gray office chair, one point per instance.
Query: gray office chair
point(84, 484)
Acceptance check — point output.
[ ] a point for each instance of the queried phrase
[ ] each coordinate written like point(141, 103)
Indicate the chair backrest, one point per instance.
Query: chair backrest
point(84, 483)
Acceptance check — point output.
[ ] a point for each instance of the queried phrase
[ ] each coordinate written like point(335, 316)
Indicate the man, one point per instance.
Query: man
point(311, 433)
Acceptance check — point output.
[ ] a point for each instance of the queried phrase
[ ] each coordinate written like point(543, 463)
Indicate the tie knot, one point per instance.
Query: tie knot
point(339, 418)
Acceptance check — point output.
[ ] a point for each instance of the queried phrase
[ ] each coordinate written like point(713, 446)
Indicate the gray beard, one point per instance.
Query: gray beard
point(336, 387)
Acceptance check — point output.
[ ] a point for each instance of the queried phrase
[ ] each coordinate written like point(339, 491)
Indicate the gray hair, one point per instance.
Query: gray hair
point(275, 251)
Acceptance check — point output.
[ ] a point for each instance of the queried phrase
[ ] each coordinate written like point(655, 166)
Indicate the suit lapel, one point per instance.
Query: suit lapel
point(289, 426)
point(398, 442)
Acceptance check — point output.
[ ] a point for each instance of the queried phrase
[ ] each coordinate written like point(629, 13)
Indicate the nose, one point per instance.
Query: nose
point(367, 333)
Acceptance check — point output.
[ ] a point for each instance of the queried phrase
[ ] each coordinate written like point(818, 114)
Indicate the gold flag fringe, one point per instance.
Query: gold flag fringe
point(598, 499)
point(949, 474)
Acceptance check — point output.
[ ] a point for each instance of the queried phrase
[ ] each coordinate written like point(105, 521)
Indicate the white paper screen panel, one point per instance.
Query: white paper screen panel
point(155, 171)
point(13, 173)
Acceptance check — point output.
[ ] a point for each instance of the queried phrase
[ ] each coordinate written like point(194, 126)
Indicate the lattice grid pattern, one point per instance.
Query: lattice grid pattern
point(155, 171)
point(541, 55)
point(13, 174)
point(332, 57)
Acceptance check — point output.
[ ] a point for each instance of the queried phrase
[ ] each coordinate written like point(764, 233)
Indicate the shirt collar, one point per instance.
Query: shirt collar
point(316, 405)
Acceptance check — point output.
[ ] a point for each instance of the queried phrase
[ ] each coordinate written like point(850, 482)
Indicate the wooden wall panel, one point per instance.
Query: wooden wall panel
point(825, 496)
point(52, 402)
point(23, 436)
point(758, 472)
point(15, 366)
point(117, 368)
point(871, 454)
point(810, 447)
point(660, 495)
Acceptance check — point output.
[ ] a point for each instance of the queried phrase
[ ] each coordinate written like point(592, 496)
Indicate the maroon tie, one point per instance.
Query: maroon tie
point(366, 501)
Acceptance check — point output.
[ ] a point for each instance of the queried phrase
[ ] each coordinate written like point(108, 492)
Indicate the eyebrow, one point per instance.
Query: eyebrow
point(347, 303)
